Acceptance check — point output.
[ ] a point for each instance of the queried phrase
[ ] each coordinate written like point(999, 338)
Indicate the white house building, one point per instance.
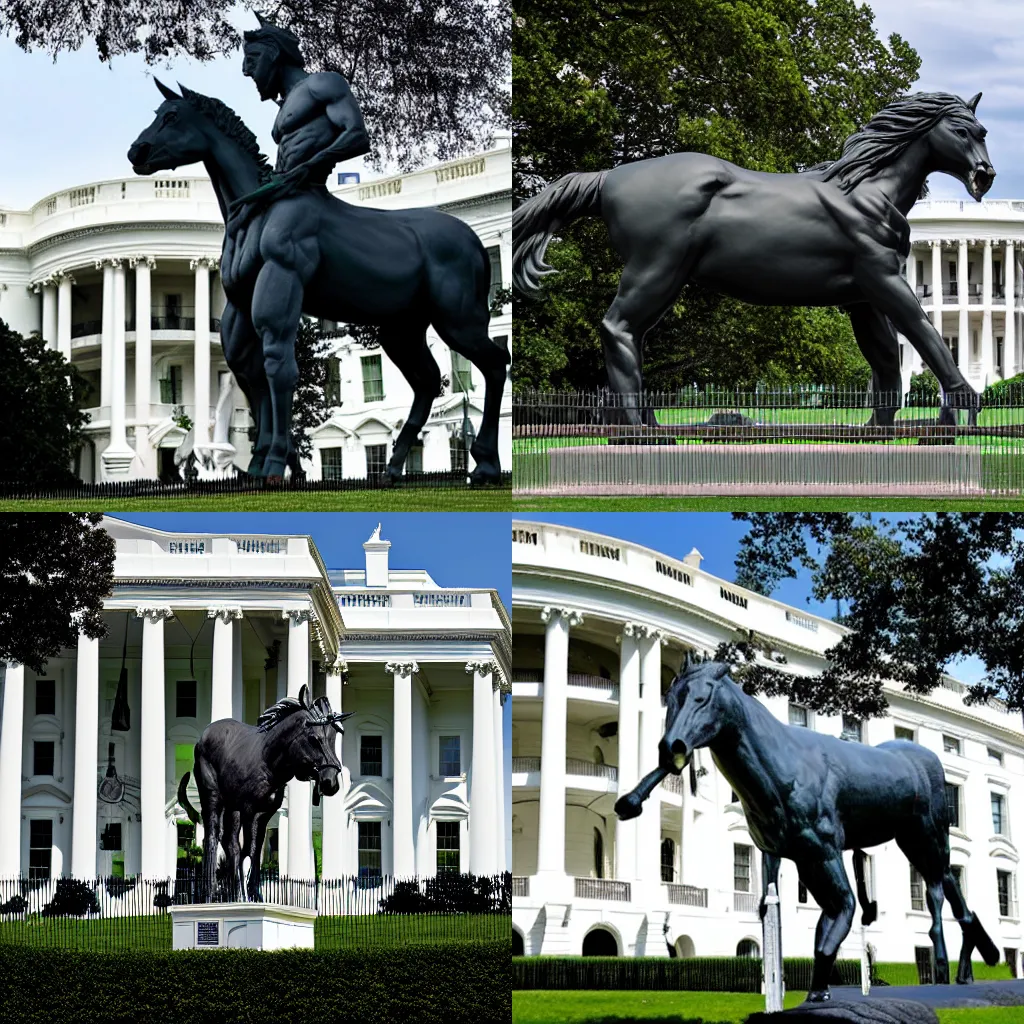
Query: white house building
point(601, 628)
point(212, 626)
point(965, 266)
point(121, 277)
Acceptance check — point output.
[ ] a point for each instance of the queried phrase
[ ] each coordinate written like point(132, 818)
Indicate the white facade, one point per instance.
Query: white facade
point(223, 626)
point(121, 277)
point(966, 267)
point(601, 627)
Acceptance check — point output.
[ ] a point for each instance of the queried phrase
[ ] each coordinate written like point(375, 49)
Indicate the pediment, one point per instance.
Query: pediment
point(368, 801)
point(450, 806)
point(44, 794)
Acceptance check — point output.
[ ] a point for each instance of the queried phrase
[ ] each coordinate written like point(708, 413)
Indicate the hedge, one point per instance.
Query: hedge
point(443, 985)
point(906, 974)
point(699, 974)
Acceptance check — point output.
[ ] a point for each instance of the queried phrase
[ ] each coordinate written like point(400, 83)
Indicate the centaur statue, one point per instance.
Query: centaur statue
point(809, 797)
point(834, 235)
point(241, 772)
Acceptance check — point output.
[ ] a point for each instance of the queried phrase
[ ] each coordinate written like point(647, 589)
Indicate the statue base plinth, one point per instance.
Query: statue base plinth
point(241, 926)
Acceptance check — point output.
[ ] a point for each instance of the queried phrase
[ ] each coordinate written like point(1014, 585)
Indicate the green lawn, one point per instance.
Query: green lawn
point(553, 1007)
point(649, 504)
point(396, 500)
point(151, 931)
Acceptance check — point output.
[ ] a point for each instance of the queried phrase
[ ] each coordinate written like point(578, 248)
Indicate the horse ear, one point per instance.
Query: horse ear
point(184, 92)
point(304, 697)
point(323, 705)
point(169, 93)
point(973, 102)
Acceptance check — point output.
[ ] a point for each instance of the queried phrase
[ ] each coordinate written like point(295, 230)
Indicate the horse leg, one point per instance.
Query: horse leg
point(407, 349)
point(826, 879)
point(244, 356)
point(256, 834)
point(869, 907)
point(881, 348)
point(233, 855)
point(974, 935)
point(212, 826)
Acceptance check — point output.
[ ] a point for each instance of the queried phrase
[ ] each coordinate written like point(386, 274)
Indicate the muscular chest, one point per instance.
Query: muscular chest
point(298, 109)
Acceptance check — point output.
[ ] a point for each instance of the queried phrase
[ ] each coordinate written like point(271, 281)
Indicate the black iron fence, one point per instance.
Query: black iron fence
point(132, 913)
point(79, 491)
point(801, 440)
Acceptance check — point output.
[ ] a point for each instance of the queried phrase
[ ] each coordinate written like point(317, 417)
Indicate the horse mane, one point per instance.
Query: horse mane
point(889, 134)
point(276, 713)
point(231, 125)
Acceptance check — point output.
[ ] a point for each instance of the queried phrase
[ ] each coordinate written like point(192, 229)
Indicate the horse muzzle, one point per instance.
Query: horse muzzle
point(330, 782)
point(980, 180)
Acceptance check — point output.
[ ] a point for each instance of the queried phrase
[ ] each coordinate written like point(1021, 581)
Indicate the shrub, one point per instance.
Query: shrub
point(924, 388)
point(1009, 391)
point(71, 898)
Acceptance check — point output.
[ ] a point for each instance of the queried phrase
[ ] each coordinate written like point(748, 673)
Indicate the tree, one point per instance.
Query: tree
point(41, 425)
point(774, 86)
point(918, 594)
point(55, 571)
point(310, 407)
point(432, 77)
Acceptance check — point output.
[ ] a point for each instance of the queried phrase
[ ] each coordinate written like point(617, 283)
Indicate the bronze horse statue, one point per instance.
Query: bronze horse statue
point(313, 254)
point(809, 797)
point(241, 771)
point(833, 235)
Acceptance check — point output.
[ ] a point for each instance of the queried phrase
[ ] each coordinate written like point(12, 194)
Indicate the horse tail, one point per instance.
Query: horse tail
point(536, 220)
point(185, 802)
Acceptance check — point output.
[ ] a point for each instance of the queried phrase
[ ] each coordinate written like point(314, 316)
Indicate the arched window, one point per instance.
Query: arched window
point(684, 946)
point(598, 854)
point(668, 860)
point(748, 947)
point(600, 942)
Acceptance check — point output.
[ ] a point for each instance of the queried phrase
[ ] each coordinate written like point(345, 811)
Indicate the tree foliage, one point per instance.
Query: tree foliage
point(919, 594)
point(55, 571)
point(773, 85)
point(41, 425)
point(432, 77)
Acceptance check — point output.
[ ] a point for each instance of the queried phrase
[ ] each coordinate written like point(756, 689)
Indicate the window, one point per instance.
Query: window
point(904, 733)
point(110, 837)
point(371, 755)
point(414, 460)
point(993, 755)
point(40, 848)
point(330, 463)
point(376, 459)
point(460, 461)
point(950, 744)
point(369, 849)
point(186, 838)
point(271, 848)
point(916, 889)
point(668, 860)
point(185, 699)
point(797, 715)
point(953, 804)
point(42, 757)
point(448, 847)
point(46, 697)
point(494, 255)
point(801, 892)
point(998, 817)
point(172, 309)
point(462, 374)
point(957, 871)
point(450, 756)
point(1004, 884)
point(851, 729)
point(333, 382)
point(741, 859)
point(373, 379)
point(748, 947)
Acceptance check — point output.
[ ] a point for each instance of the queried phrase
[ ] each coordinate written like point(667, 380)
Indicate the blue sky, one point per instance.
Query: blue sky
point(460, 549)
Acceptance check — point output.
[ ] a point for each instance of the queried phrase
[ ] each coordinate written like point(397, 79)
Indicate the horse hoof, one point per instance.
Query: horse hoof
point(484, 476)
point(819, 996)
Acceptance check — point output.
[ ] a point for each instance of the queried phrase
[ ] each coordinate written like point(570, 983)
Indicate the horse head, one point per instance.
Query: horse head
point(957, 143)
point(313, 746)
point(694, 712)
point(175, 137)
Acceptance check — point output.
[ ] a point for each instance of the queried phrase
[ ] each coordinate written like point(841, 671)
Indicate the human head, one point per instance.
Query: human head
point(266, 50)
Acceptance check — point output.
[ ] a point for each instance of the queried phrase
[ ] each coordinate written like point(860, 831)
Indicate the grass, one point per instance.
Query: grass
point(395, 500)
point(553, 1007)
point(149, 931)
point(649, 504)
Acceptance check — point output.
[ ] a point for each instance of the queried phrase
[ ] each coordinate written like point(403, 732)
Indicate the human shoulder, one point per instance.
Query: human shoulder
point(328, 86)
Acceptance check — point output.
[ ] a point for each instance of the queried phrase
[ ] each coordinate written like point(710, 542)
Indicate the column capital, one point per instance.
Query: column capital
point(334, 663)
point(640, 631)
point(935, 243)
point(571, 616)
point(402, 668)
point(209, 262)
point(154, 613)
point(485, 668)
point(225, 614)
point(109, 261)
point(138, 259)
point(296, 616)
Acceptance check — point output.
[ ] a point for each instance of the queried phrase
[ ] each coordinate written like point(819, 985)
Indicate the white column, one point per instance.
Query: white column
point(49, 289)
point(1009, 334)
point(483, 825)
point(333, 807)
point(987, 341)
point(551, 824)
point(143, 360)
point(11, 727)
point(107, 336)
point(628, 741)
point(300, 811)
point(497, 700)
point(937, 284)
point(237, 676)
point(963, 300)
point(222, 675)
point(65, 281)
point(202, 348)
point(648, 825)
point(87, 723)
point(153, 742)
point(117, 458)
point(403, 850)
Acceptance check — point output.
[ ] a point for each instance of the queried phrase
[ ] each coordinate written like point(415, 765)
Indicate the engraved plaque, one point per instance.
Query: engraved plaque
point(207, 933)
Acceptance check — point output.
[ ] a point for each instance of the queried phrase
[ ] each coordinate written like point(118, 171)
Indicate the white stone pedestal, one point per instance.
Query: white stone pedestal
point(241, 926)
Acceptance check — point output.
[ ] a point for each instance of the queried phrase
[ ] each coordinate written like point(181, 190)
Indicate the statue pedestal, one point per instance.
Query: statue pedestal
point(241, 926)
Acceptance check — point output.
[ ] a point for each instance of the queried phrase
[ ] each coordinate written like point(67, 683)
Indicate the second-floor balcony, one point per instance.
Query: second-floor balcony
point(745, 902)
point(687, 895)
point(182, 321)
point(602, 889)
point(573, 766)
